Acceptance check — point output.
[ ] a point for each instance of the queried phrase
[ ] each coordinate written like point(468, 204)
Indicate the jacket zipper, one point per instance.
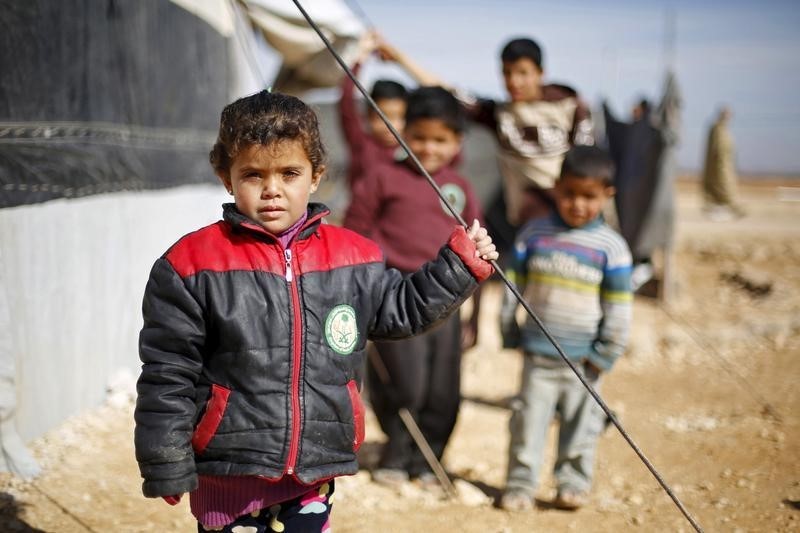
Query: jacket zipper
point(288, 255)
point(297, 353)
point(297, 350)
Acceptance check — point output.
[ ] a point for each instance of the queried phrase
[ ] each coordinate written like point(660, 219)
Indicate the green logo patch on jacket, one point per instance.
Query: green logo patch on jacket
point(341, 329)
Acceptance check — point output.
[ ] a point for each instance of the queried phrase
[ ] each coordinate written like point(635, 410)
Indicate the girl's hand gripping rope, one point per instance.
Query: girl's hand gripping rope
point(485, 248)
point(475, 248)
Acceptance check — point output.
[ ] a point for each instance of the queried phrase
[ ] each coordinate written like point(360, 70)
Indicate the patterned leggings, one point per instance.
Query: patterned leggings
point(309, 513)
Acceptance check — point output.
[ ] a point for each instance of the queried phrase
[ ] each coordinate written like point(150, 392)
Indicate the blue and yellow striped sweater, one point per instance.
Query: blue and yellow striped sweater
point(577, 281)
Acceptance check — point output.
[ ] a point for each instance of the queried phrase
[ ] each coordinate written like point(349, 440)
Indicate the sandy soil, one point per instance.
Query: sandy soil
point(708, 390)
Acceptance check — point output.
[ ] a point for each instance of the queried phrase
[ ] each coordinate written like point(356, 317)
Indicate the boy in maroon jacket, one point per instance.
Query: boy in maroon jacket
point(393, 205)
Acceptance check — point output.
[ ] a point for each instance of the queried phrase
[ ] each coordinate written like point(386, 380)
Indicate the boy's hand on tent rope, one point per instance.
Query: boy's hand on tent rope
point(173, 500)
point(485, 248)
point(386, 51)
point(367, 45)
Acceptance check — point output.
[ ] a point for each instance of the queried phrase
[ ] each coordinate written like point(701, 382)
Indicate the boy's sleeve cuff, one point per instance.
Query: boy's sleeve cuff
point(601, 362)
point(464, 248)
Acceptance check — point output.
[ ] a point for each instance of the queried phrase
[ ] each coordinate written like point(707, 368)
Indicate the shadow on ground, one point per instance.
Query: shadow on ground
point(10, 511)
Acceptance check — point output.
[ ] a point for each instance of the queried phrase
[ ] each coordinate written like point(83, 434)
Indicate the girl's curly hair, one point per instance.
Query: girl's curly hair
point(266, 118)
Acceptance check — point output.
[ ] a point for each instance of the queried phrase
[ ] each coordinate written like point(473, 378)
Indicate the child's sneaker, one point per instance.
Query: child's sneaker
point(428, 482)
point(389, 477)
point(516, 500)
point(570, 500)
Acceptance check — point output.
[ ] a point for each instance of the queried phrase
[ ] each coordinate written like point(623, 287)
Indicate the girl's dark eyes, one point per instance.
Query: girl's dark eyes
point(287, 174)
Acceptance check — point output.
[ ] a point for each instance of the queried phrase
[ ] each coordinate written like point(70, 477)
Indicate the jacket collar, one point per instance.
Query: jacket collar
point(239, 222)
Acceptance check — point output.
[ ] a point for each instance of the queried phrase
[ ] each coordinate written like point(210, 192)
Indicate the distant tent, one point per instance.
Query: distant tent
point(644, 155)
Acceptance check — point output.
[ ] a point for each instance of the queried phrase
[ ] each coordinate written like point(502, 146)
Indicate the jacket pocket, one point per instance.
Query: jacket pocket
point(208, 424)
point(358, 414)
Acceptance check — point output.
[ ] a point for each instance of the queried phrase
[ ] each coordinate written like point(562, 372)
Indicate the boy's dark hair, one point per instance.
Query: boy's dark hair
point(438, 103)
point(266, 118)
point(588, 162)
point(383, 89)
point(522, 48)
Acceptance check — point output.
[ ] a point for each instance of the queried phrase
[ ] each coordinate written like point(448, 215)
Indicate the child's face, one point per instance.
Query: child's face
point(523, 79)
point(272, 184)
point(580, 200)
point(433, 142)
point(395, 111)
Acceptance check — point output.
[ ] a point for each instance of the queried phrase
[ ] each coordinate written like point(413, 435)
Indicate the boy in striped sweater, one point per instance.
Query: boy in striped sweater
point(574, 271)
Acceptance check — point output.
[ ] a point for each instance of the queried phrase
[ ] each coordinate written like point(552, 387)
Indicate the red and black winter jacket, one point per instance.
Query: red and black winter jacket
point(252, 354)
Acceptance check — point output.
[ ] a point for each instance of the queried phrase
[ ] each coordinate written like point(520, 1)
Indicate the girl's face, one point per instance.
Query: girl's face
point(272, 184)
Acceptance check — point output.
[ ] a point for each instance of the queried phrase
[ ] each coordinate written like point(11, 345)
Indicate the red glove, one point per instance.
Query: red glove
point(465, 249)
point(173, 500)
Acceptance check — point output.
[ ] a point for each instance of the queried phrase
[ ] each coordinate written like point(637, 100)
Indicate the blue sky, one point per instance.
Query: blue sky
point(744, 54)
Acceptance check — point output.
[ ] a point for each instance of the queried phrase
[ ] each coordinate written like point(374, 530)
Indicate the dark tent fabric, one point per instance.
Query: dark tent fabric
point(644, 154)
point(106, 95)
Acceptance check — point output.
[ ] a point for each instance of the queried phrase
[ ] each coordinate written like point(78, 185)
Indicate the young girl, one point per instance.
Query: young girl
point(255, 329)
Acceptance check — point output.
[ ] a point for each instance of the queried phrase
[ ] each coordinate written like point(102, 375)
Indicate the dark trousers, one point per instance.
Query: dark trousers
point(425, 378)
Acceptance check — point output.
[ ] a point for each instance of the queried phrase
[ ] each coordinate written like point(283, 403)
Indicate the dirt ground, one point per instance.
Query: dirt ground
point(708, 390)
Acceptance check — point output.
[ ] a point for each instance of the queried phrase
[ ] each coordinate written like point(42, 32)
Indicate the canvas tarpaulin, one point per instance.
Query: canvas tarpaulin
point(106, 108)
point(106, 95)
point(306, 63)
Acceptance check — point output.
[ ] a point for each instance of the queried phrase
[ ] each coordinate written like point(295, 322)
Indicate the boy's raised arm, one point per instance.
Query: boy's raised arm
point(479, 110)
point(364, 207)
point(349, 116)
point(388, 52)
